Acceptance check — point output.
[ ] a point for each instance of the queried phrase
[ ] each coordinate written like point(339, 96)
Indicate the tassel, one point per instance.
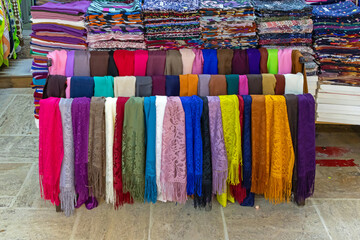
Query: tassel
point(305, 187)
point(219, 182)
point(150, 189)
point(234, 174)
point(68, 200)
point(190, 184)
point(198, 185)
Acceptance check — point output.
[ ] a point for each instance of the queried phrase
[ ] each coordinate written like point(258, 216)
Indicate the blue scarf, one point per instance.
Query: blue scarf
point(210, 61)
point(172, 85)
point(82, 87)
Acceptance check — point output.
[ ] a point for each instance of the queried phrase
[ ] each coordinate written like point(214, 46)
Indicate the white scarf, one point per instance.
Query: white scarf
point(124, 86)
point(294, 83)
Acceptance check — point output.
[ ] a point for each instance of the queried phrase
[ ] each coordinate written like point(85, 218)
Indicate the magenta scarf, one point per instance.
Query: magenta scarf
point(285, 62)
point(243, 85)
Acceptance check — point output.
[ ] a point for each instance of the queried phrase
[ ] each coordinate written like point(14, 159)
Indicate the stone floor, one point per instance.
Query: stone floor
point(332, 213)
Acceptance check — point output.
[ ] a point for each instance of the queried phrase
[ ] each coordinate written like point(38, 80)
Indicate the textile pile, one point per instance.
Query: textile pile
point(54, 26)
point(171, 24)
point(228, 24)
point(113, 25)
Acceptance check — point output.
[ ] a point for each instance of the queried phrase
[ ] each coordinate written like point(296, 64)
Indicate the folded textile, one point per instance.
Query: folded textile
point(285, 61)
point(69, 69)
point(188, 84)
point(224, 57)
point(232, 82)
point(255, 83)
point(99, 63)
point(55, 86)
point(125, 60)
point(172, 85)
point(198, 64)
point(81, 63)
point(173, 65)
point(58, 66)
point(158, 85)
point(203, 85)
point(187, 57)
point(294, 83)
point(140, 62)
point(82, 87)
point(268, 84)
point(254, 60)
point(280, 84)
point(243, 85)
point(143, 86)
point(272, 63)
point(156, 63)
point(124, 86)
point(240, 62)
point(210, 61)
point(217, 85)
point(104, 86)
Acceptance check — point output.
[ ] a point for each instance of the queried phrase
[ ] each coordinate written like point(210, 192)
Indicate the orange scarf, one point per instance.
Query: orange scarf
point(188, 84)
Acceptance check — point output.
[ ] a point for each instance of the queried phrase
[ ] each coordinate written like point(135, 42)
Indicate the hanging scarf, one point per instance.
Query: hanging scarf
point(225, 57)
point(268, 84)
point(172, 86)
point(51, 149)
point(285, 62)
point(160, 111)
point(272, 62)
point(124, 86)
point(150, 171)
point(217, 85)
point(198, 64)
point(243, 85)
point(99, 61)
point(82, 87)
point(58, 62)
point(67, 90)
point(210, 61)
point(263, 60)
point(133, 148)
point(112, 69)
point(173, 152)
point(55, 86)
point(294, 83)
point(110, 112)
point(255, 83)
point(120, 196)
point(96, 152)
point(254, 60)
point(156, 63)
point(158, 85)
point(140, 62)
point(205, 199)
point(280, 150)
point(306, 150)
point(82, 63)
point(69, 69)
point(67, 182)
point(203, 85)
point(188, 84)
point(219, 160)
point(280, 84)
point(125, 60)
point(143, 86)
point(80, 113)
point(187, 58)
point(298, 67)
point(173, 64)
point(232, 82)
point(240, 62)
point(104, 86)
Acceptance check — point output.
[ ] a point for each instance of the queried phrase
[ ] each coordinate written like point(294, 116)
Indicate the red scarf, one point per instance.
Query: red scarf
point(125, 62)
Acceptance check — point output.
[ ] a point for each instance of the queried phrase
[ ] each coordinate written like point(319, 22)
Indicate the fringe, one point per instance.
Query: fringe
point(135, 186)
point(219, 182)
point(68, 200)
point(49, 192)
point(109, 192)
point(198, 184)
point(305, 187)
point(150, 189)
point(175, 192)
point(279, 190)
point(96, 182)
point(190, 188)
point(234, 174)
point(238, 192)
point(204, 201)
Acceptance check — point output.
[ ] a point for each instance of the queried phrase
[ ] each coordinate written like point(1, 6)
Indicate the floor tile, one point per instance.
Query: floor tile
point(5, 201)
point(4, 91)
point(12, 176)
point(5, 101)
point(19, 148)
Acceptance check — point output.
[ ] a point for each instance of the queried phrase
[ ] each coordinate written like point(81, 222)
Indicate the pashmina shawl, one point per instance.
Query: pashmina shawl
point(104, 86)
point(280, 150)
point(55, 86)
point(112, 69)
point(82, 87)
point(240, 62)
point(232, 82)
point(172, 86)
point(280, 84)
point(306, 150)
point(140, 62)
point(160, 111)
point(67, 182)
point(51, 149)
point(187, 57)
point(297, 67)
point(294, 83)
point(173, 152)
point(254, 60)
point(58, 63)
point(243, 85)
point(217, 85)
point(268, 84)
point(143, 86)
point(82, 63)
point(156, 63)
point(219, 160)
point(69, 69)
point(224, 57)
point(263, 60)
point(158, 85)
point(99, 61)
point(210, 61)
point(124, 60)
point(173, 65)
point(255, 83)
point(124, 86)
point(120, 196)
point(203, 85)
point(198, 64)
point(96, 151)
point(285, 60)
point(188, 84)
point(272, 62)
point(133, 148)
point(150, 171)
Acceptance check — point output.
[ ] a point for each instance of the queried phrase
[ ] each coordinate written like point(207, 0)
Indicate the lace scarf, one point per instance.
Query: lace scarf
point(51, 150)
point(120, 196)
point(133, 148)
point(67, 182)
point(218, 152)
point(173, 152)
point(150, 171)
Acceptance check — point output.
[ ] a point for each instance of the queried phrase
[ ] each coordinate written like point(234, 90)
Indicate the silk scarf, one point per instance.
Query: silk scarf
point(263, 60)
point(280, 84)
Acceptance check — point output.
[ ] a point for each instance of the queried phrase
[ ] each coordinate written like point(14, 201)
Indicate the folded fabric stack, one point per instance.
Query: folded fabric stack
point(113, 25)
point(228, 24)
point(171, 24)
point(55, 26)
point(312, 82)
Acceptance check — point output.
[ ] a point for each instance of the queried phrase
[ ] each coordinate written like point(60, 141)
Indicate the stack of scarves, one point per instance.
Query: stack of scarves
point(171, 24)
point(322, 2)
point(228, 24)
point(168, 148)
point(54, 26)
point(114, 25)
point(336, 34)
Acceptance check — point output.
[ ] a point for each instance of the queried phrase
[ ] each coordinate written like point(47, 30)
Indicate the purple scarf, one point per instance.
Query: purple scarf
point(254, 60)
point(69, 70)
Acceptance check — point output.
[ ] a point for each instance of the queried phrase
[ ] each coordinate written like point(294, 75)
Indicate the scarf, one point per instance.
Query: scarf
point(156, 63)
point(280, 150)
point(120, 196)
point(306, 151)
point(225, 57)
point(240, 62)
point(205, 199)
point(67, 182)
point(133, 148)
point(217, 85)
point(143, 86)
point(172, 86)
point(203, 85)
point(210, 61)
point(158, 85)
point(198, 64)
point(254, 60)
point(243, 85)
point(69, 69)
point(80, 113)
point(99, 61)
point(124, 60)
point(55, 86)
point(297, 67)
point(110, 113)
point(280, 84)
point(96, 152)
point(140, 62)
point(51, 149)
point(104, 86)
point(263, 60)
point(112, 69)
point(160, 111)
point(188, 84)
point(173, 64)
point(285, 62)
point(268, 84)
point(58, 62)
point(218, 152)
point(82, 87)
point(294, 83)
point(255, 83)
point(187, 57)
point(124, 86)
point(150, 171)
point(173, 156)
point(67, 90)
point(232, 82)
point(272, 62)
point(82, 63)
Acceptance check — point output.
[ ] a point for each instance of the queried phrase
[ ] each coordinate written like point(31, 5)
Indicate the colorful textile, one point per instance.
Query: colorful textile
point(188, 84)
point(104, 86)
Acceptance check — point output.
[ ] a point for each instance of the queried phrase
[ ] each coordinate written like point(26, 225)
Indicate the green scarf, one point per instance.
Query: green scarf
point(272, 62)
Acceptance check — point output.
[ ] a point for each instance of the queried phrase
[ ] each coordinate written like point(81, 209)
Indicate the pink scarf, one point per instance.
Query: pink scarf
point(285, 63)
point(187, 57)
point(141, 57)
point(243, 85)
point(67, 90)
point(197, 67)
